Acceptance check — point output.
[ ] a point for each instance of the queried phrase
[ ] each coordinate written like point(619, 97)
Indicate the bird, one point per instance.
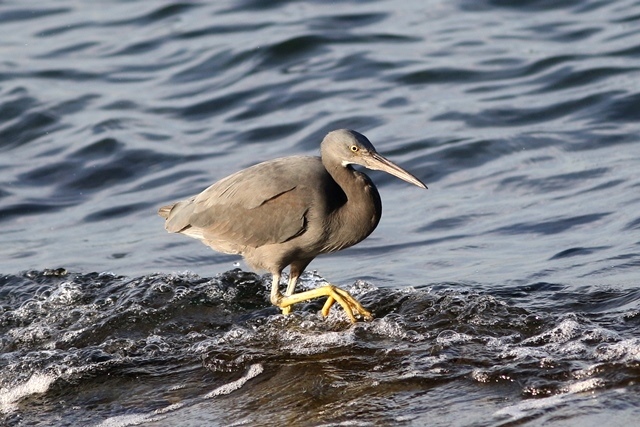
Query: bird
point(286, 211)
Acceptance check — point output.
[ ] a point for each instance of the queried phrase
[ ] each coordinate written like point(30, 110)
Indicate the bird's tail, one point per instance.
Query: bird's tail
point(165, 211)
point(177, 216)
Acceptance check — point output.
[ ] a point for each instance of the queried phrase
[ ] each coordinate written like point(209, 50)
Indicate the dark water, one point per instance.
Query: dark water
point(506, 294)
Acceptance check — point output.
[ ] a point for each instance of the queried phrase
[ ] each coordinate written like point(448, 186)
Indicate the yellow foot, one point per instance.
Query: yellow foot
point(350, 305)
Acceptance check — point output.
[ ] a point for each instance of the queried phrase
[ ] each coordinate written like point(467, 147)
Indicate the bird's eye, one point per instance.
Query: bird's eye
point(354, 148)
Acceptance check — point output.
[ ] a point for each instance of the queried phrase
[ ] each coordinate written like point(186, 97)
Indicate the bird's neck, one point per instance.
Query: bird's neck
point(362, 210)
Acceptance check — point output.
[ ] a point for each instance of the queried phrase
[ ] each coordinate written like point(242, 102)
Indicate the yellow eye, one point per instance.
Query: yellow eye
point(354, 148)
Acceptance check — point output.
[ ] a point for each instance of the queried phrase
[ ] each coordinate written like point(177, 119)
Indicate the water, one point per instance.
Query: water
point(506, 294)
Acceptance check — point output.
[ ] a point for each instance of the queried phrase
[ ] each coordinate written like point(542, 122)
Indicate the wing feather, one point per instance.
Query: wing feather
point(264, 204)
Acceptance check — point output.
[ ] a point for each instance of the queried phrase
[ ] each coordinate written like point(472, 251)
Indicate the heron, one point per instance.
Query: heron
point(287, 211)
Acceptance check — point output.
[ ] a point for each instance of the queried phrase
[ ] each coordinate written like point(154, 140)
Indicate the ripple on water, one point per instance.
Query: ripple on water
point(508, 290)
point(182, 334)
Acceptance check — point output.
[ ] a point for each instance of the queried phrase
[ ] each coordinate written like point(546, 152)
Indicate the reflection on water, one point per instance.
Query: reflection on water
point(508, 290)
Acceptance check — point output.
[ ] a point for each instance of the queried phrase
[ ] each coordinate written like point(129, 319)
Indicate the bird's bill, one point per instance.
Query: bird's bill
point(378, 162)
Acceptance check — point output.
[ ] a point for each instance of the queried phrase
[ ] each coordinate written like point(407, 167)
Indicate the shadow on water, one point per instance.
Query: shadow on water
point(165, 348)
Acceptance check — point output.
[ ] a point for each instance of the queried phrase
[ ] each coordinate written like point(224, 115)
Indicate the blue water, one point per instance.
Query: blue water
point(506, 294)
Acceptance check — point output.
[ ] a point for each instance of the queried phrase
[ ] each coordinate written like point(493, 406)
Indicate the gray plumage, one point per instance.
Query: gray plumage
point(289, 210)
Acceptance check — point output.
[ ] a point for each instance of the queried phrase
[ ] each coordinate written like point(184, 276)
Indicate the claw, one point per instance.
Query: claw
point(334, 294)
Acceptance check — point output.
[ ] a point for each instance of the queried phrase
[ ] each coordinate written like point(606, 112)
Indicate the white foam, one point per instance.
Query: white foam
point(170, 408)
point(626, 350)
point(315, 342)
point(253, 371)
point(480, 376)
point(234, 335)
point(38, 383)
point(138, 419)
point(127, 420)
point(586, 385)
point(67, 293)
point(524, 408)
point(450, 338)
point(298, 341)
point(388, 326)
point(566, 330)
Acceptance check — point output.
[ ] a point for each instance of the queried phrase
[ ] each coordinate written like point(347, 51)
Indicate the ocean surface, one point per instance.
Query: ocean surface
point(508, 294)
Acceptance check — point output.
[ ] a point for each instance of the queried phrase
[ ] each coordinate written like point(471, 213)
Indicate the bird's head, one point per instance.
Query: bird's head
point(348, 147)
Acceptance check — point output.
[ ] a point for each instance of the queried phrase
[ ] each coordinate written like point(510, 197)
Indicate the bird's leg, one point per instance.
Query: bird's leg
point(291, 286)
point(333, 293)
point(275, 296)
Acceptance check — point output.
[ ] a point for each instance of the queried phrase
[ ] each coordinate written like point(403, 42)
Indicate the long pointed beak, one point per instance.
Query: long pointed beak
point(378, 162)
